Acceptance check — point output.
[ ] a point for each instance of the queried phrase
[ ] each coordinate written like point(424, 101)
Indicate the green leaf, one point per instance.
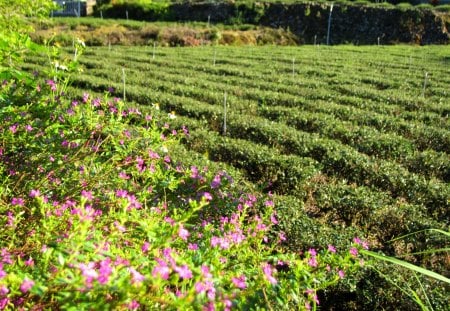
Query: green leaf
point(446, 233)
point(407, 265)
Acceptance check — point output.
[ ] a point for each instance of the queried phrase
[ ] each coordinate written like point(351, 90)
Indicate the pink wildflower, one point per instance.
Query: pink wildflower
point(119, 227)
point(215, 241)
point(4, 303)
point(136, 277)
point(269, 203)
point(17, 201)
point(192, 247)
point(120, 193)
point(133, 202)
point(194, 172)
point(207, 196)
point(133, 305)
point(123, 175)
point(365, 245)
point(89, 273)
point(29, 262)
point(268, 270)
point(153, 155)
point(183, 233)
point(10, 216)
point(215, 183)
point(85, 97)
point(282, 236)
point(312, 262)
point(26, 285)
point(13, 128)
point(239, 282)
point(145, 247)
point(273, 219)
point(205, 272)
point(331, 248)
point(52, 85)
point(105, 271)
point(87, 195)
point(3, 290)
point(140, 164)
point(161, 270)
point(353, 251)
point(2, 272)
point(34, 193)
point(184, 272)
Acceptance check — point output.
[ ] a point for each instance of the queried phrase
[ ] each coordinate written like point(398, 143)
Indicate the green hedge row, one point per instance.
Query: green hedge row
point(336, 158)
point(370, 141)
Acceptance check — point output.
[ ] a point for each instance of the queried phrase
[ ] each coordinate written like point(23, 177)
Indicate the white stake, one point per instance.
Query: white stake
point(225, 114)
point(293, 67)
point(126, 13)
point(425, 84)
point(214, 60)
point(123, 78)
point(329, 25)
point(315, 40)
point(101, 14)
point(154, 50)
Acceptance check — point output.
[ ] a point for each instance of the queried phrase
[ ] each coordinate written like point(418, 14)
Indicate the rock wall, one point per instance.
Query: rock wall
point(309, 21)
point(358, 24)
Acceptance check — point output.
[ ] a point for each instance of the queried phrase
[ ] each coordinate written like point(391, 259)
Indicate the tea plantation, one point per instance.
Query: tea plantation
point(350, 140)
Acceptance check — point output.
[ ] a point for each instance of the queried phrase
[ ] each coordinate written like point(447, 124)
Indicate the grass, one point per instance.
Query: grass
point(95, 31)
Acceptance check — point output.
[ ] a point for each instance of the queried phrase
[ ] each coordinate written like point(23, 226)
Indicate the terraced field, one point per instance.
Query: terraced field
point(351, 139)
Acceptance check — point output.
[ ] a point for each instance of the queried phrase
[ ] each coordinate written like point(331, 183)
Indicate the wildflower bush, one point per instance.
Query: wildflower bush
point(97, 215)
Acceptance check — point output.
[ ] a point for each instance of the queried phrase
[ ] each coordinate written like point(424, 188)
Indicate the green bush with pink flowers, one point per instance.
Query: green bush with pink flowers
point(96, 214)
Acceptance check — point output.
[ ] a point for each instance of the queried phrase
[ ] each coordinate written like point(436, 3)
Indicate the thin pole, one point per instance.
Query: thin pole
point(123, 77)
point(329, 25)
point(293, 67)
point(424, 84)
point(225, 114)
point(154, 50)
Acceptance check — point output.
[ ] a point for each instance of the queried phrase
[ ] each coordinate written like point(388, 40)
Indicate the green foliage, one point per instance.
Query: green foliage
point(14, 29)
point(111, 221)
point(347, 138)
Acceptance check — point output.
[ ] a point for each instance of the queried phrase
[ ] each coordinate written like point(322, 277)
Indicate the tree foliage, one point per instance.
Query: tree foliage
point(15, 27)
